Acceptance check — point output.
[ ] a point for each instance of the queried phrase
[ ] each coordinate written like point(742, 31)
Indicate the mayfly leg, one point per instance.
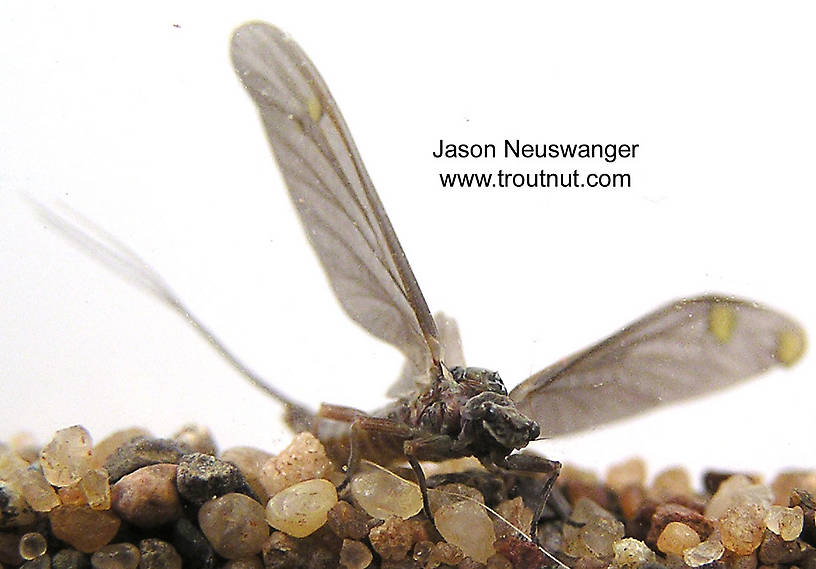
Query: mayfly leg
point(105, 248)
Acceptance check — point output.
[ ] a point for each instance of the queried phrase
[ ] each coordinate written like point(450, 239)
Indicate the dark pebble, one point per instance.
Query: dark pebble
point(281, 552)
point(201, 477)
point(774, 549)
point(70, 559)
point(195, 550)
point(158, 554)
point(807, 502)
point(348, 522)
point(666, 513)
point(136, 454)
point(522, 553)
point(41, 562)
point(14, 510)
point(318, 551)
point(10, 549)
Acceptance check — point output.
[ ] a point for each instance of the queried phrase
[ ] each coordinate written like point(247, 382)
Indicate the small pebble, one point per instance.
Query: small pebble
point(631, 553)
point(301, 509)
point(775, 550)
point(235, 525)
point(672, 482)
point(14, 510)
point(32, 545)
point(70, 559)
point(741, 528)
point(466, 525)
point(148, 497)
point(96, 489)
point(628, 473)
point(67, 457)
point(516, 553)
point(304, 459)
point(253, 562)
point(785, 522)
point(72, 495)
point(348, 522)
point(201, 477)
point(785, 483)
point(677, 537)
point(116, 556)
point(737, 489)
point(197, 438)
point(394, 538)
point(250, 461)
point(593, 532)
point(355, 555)
point(139, 453)
point(704, 553)
point(158, 554)
point(36, 490)
point(383, 494)
point(196, 552)
point(665, 514)
point(513, 516)
point(41, 562)
point(10, 549)
point(83, 528)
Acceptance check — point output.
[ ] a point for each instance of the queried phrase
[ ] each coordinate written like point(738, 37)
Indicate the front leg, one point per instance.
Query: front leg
point(537, 464)
point(431, 447)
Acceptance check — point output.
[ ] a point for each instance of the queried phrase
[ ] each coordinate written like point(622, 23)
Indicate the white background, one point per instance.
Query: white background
point(137, 120)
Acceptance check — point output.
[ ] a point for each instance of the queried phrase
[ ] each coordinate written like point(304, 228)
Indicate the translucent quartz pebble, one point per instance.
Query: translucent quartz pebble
point(631, 553)
point(594, 532)
point(72, 495)
point(11, 464)
point(32, 545)
point(68, 456)
point(83, 528)
point(785, 522)
point(741, 528)
point(39, 494)
point(96, 489)
point(737, 489)
point(628, 473)
point(383, 494)
point(677, 537)
point(234, 525)
point(116, 556)
point(515, 516)
point(304, 459)
point(302, 509)
point(706, 552)
point(355, 555)
point(466, 525)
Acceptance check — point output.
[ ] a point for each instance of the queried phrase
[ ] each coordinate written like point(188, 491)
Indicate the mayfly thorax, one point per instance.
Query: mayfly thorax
point(443, 409)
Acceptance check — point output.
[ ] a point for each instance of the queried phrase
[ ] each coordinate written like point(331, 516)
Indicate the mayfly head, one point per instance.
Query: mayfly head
point(492, 421)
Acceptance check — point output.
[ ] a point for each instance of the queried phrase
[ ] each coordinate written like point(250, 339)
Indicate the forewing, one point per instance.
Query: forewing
point(684, 350)
point(338, 206)
point(451, 342)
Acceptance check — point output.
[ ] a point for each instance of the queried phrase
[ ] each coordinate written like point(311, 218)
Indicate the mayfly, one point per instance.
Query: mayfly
point(443, 409)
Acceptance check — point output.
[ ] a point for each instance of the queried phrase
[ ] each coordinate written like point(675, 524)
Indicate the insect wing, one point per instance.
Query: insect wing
point(451, 342)
point(684, 350)
point(338, 206)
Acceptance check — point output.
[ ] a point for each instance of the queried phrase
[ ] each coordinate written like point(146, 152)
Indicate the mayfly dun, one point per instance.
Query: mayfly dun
point(443, 409)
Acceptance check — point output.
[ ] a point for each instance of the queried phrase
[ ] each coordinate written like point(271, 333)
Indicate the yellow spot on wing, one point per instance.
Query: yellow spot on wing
point(790, 345)
point(314, 108)
point(721, 322)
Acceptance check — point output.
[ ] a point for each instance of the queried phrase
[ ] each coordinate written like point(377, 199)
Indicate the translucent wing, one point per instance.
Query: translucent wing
point(683, 350)
point(338, 206)
point(451, 347)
